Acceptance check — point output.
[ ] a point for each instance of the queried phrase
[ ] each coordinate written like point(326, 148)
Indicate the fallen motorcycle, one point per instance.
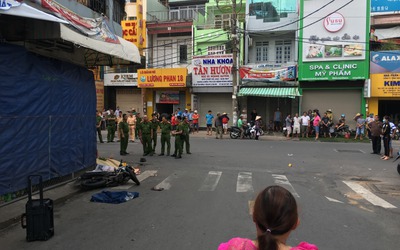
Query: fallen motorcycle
point(103, 177)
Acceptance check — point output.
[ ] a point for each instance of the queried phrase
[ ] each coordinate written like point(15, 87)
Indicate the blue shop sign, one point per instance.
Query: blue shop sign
point(385, 5)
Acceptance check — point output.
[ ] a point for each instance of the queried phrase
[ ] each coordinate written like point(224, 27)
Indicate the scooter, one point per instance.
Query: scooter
point(342, 131)
point(105, 178)
point(236, 133)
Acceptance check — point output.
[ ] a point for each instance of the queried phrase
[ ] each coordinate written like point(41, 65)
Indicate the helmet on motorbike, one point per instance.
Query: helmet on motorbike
point(343, 115)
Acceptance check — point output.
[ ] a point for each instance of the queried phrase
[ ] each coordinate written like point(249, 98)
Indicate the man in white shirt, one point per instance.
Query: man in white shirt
point(305, 124)
point(296, 125)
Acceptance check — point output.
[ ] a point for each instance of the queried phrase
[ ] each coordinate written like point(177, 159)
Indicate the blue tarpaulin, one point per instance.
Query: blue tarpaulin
point(115, 197)
point(47, 117)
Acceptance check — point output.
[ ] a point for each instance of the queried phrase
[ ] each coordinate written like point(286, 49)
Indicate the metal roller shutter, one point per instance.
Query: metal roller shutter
point(128, 99)
point(346, 102)
point(216, 102)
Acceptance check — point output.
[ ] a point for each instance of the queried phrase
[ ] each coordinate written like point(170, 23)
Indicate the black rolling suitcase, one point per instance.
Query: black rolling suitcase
point(38, 218)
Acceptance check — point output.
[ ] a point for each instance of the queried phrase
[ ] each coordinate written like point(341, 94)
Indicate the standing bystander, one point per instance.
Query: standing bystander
point(360, 126)
point(98, 126)
point(277, 120)
point(305, 124)
point(123, 129)
point(166, 128)
point(376, 127)
point(218, 126)
point(296, 125)
point(209, 122)
point(288, 125)
point(195, 118)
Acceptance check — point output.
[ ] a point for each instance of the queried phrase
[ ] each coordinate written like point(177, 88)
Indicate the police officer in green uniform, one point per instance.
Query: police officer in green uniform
point(98, 126)
point(111, 125)
point(155, 123)
point(178, 139)
point(138, 121)
point(166, 128)
point(145, 135)
point(186, 132)
point(124, 132)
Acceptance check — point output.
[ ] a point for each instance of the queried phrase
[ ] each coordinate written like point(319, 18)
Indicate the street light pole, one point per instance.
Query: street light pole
point(234, 38)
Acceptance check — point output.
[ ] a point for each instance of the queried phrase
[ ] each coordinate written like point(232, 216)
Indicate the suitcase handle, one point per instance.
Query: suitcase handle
point(23, 220)
point(30, 177)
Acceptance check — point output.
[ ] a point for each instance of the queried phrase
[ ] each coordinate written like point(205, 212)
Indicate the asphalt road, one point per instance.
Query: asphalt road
point(348, 198)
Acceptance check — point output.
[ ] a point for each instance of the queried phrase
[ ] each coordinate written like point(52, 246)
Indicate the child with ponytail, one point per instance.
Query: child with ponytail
point(275, 216)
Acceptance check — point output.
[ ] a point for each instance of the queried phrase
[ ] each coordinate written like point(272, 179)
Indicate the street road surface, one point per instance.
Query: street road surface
point(347, 197)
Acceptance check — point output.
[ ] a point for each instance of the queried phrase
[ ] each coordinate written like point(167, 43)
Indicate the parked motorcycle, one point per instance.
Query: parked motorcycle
point(342, 131)
point(398, 165)
point(103, 178)
point(249, 132)
point(396, 135)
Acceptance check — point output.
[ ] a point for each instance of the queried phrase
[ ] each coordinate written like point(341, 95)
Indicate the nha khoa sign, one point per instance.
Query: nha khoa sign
point(333, 47)
point(212, 70)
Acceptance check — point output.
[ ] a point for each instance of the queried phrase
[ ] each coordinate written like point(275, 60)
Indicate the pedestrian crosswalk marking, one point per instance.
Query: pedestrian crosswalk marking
point(244, 182)
point(143, 176)
point(283, 180)
point(368, 195)
point(166, 183)
point(211, 181)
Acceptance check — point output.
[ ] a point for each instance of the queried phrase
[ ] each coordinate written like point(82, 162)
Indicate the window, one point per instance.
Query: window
point(183, 53)
point(262, 51)
point(216, 50)
point(283, 51)
point(118, 11)
point(222, 21)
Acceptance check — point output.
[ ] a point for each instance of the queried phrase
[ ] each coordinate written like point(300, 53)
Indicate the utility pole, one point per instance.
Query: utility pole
point(235, 69)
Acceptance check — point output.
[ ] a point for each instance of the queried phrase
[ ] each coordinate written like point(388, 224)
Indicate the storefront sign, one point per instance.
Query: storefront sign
point(278, 75)
point(347, 70)
point(99, 95)
point(162, 78)
point(167, 97)
point(333, 47)
point(212, 70)
point(385, 61)
point(385, 5)
point(385, 85)
point(132, 31)
point(121, 79)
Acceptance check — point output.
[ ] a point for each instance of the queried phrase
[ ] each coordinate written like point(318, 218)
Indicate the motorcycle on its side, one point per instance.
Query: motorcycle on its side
point(103, 177)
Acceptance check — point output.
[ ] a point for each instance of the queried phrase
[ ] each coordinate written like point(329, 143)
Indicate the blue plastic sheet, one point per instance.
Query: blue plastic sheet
point(47, 117)
point(114, 197)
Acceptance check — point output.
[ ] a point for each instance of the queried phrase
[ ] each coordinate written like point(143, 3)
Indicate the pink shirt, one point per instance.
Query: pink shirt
point(247, 244)
point(316, 121)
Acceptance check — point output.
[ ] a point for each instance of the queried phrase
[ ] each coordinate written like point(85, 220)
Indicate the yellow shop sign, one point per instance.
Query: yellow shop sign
point(162, 78)
point(385, 85)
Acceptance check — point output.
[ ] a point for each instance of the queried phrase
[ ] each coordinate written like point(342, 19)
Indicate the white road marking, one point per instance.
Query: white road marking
point(146, 174)
point(283, 180)
point(368, 195)
point(166, 183)
point(211, 181)
point(333, 200)
point(244, 182)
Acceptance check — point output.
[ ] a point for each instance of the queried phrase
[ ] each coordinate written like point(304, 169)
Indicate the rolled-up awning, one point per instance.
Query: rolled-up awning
point(270, 92)
point(124, 51)
point(24, 10)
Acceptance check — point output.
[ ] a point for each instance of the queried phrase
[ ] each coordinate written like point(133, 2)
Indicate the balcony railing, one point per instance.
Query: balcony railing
point(184, 13)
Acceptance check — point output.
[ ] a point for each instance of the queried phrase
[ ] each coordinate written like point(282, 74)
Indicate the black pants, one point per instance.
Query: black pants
point(386, 141)
point(376, 144)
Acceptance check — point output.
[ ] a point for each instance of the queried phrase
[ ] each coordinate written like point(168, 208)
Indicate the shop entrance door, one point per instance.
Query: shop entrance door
point(165, 109)
point(390, 108)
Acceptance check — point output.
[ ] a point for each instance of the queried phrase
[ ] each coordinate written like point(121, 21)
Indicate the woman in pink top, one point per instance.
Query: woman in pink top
point(317, 120)
point(275, 215)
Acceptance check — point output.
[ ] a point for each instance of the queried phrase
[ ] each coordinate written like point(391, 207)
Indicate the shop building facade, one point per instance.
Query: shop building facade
point(334, 57)
point(268, 74)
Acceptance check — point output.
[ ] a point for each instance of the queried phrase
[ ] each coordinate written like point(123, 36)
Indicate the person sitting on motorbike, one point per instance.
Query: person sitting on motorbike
point(241, 126)
point(342, 122)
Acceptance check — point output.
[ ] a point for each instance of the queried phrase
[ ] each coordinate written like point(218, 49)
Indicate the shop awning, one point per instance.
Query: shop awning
point(270, 92)
point(24, 10)
point(108, 53)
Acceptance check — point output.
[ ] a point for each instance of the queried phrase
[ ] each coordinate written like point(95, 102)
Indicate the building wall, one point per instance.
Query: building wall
point(166, 51)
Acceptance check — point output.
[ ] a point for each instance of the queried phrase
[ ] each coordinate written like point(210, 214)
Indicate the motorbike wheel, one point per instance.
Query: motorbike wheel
point(398, 168)
point(234, 135)
point(93, 183)
point(261, 132)
point(396, 136)
point(133, 176)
